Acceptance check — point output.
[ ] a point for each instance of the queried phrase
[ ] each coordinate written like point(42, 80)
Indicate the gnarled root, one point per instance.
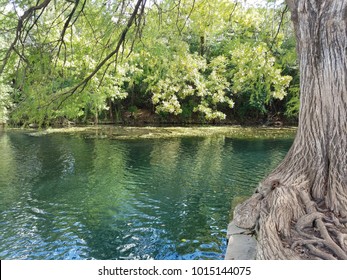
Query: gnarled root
point(331, 240)
point(291, 225)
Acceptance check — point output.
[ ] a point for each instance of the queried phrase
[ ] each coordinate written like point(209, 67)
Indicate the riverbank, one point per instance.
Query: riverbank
point(145, 132)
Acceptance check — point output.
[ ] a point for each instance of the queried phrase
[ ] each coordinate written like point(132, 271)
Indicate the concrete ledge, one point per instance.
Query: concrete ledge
point(241, 244)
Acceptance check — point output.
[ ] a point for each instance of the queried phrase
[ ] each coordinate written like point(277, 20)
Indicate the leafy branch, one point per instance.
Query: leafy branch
point(21, 22)
point(80, 86)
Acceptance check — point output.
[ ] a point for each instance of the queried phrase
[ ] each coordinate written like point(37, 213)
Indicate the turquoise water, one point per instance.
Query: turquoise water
point(67, 197)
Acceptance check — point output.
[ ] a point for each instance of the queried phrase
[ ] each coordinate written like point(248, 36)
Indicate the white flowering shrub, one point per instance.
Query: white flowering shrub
point(189, 75)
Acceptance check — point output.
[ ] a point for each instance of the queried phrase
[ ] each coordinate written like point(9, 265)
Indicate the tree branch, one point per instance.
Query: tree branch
point(21, 21)
point(121, 39)
point(66, 25)
point(279, 26)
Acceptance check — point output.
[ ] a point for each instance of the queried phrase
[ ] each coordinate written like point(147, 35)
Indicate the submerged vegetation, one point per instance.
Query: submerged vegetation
point(128, 132)
point(188, 61)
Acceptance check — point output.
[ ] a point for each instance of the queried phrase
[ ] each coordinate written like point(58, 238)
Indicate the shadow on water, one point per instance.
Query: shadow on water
point(67, 197)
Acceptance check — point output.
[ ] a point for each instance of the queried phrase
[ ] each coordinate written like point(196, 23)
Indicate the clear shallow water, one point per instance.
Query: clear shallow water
point(67, 197)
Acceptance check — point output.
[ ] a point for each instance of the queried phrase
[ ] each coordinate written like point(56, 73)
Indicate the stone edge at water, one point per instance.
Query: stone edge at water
point(241, 244)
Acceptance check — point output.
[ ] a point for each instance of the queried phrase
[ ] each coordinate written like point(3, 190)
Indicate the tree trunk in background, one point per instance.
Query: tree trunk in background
point(300, 209)
point(202, 45)
point(111, 110)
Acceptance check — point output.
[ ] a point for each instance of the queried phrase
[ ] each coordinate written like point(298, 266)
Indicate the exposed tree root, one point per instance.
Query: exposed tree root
point(327, 239)
point(319, 253)
point(291, 225)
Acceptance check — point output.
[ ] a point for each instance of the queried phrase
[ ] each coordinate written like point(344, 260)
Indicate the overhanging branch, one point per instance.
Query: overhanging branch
point(21, 21)
point(80, 86)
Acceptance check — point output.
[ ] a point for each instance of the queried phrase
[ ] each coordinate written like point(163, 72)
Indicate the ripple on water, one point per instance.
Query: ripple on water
point(148, 199)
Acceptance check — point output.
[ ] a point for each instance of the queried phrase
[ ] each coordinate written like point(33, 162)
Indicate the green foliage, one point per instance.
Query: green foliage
point(288, 61)
point(256, 74)
point(5, 101)
point(209, 58)
point(186, 77)
point(293, 103)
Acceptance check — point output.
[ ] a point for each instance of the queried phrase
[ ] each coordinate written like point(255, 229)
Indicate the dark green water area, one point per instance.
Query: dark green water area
point(67, 196)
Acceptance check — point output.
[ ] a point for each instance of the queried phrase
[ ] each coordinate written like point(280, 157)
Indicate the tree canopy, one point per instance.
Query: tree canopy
point(195, 60)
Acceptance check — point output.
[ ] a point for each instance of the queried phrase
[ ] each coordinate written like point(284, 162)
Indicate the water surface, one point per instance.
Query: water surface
point(68, 197)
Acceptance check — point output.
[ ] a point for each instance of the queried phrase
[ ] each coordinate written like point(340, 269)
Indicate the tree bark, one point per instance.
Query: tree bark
point(302, 205)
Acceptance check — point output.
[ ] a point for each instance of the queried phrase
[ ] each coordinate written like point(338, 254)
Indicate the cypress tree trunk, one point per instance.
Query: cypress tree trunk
point(300, 210)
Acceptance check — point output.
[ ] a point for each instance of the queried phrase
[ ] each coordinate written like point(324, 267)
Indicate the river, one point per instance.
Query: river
point(73, 197)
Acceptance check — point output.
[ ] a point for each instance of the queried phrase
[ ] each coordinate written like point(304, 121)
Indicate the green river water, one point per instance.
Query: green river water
point(72, 197)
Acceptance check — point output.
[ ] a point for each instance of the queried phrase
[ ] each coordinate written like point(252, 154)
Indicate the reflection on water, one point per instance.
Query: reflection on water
point(66, 197)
